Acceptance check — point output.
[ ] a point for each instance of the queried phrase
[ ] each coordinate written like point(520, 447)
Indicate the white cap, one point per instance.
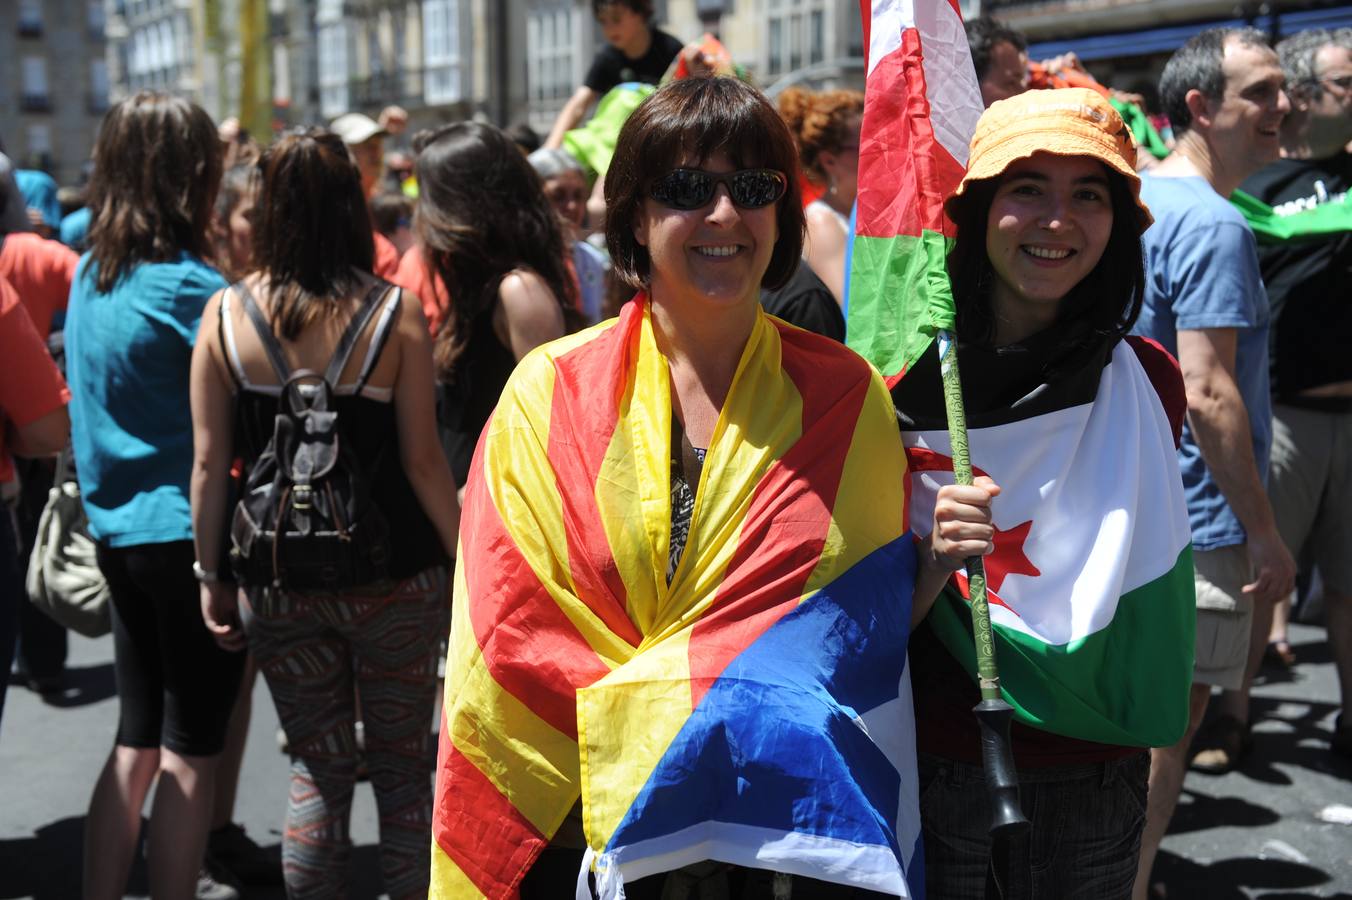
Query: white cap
point(355, 128)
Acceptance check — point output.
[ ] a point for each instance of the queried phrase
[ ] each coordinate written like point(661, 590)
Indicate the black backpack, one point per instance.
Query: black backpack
point(306, 520)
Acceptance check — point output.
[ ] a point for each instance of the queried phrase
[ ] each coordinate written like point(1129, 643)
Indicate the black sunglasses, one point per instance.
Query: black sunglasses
point(694, 188)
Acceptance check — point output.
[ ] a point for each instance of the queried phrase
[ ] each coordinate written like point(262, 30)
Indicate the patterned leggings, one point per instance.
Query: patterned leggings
point(314, 650)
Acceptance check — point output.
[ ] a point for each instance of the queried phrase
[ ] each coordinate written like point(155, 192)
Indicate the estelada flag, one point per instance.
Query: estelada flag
point(1090, 585)
point(755, 709)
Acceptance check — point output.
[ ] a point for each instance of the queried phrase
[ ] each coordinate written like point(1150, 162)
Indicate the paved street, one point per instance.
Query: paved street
point(1249, 834)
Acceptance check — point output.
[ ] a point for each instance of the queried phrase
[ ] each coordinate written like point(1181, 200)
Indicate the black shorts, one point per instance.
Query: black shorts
point(176, 687)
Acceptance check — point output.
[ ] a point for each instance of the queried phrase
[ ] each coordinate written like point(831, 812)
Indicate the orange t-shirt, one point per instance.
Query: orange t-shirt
point(387, 257)
point(32, 386)
point(412, 276)
point(41, 272)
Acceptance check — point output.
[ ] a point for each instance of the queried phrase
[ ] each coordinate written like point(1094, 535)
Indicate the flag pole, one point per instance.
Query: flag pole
point(993, 714)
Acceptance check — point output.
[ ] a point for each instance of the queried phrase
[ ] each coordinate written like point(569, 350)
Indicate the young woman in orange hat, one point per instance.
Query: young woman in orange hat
point(1048, 277)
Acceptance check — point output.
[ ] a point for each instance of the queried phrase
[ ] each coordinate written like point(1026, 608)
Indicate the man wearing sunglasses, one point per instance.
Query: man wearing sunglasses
point(1311, 461)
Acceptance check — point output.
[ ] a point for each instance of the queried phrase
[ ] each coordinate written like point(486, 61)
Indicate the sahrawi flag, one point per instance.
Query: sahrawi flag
point(756, 708)
point(1090, 584)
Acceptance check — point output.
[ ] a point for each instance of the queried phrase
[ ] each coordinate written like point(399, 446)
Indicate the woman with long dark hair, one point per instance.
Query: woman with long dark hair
point(134, 308)
point(372, 632)
point(489, 261)
point(1081, 516)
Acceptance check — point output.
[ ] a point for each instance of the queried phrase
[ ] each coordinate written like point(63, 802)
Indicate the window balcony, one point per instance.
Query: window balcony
point(30, 28)
point(403, 87)
point(35, 103)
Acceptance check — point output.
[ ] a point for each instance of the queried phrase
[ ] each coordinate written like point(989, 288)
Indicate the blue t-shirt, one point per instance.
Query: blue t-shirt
point(75, 229)
point(128, 353)
point(39, 191)
point(1201, 264)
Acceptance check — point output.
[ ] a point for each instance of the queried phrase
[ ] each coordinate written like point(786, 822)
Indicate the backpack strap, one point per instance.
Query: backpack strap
point(355, 327)
point(265, 336)
point(381, 336)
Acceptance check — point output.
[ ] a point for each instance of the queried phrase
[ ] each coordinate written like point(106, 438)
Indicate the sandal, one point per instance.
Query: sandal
point(1279, 653)
point(1220, 745)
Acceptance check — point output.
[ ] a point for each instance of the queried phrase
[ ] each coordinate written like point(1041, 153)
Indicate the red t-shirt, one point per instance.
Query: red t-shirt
point(31, 387)
point(412, 276)
point(387, 257)
point(945, 693)
point(41, 271)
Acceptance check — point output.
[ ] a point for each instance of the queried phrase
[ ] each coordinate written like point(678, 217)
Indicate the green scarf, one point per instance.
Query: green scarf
point(1270, 228)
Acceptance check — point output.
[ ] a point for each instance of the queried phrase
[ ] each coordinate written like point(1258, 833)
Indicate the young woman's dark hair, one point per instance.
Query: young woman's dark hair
point(312, 232)
point(1108, 299)
point(481, 214)
point(150, 198)
point(700, 117)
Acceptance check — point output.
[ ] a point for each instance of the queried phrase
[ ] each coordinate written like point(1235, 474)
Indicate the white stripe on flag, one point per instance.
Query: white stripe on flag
point(890, 19)
point(1108, 515)
point(950, 79)
point(794, 853)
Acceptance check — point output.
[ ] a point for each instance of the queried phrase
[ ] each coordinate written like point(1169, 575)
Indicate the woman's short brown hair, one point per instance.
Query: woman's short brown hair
point(699, 117)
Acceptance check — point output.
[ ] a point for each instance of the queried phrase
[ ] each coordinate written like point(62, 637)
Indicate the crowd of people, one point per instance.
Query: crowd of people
point(278, 375)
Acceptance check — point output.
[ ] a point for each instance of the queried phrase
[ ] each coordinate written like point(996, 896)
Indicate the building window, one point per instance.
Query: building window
point(35, 96)
point(95, 19)
point(441, 51)
point(281, 75)
point(39, 145)
point(797, 35)
point(549, 51)
point(98, 85)
point(333, 79)
point(30, 18)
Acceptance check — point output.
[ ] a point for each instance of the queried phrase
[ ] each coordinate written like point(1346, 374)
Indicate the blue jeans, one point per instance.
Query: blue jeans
point(1084, 843)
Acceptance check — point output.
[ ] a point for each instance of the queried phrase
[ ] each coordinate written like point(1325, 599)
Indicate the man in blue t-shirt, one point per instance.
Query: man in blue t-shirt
point(1204, 301)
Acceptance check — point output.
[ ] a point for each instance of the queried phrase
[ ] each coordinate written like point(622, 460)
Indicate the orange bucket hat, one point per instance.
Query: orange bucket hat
point(1064, 122)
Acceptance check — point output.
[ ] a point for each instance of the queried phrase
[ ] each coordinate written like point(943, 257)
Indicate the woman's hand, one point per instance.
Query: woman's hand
point(962, 524)
point(962, 529)
point(220, 612)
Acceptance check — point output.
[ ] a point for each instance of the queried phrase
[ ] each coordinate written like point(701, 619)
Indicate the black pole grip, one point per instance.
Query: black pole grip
point(1002, 781)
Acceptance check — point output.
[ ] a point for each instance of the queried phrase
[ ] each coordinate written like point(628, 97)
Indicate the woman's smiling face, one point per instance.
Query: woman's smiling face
point(718, 252)
point(1048, 226)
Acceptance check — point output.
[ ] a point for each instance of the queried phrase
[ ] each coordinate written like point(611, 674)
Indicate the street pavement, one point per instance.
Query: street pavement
point(1252, 833)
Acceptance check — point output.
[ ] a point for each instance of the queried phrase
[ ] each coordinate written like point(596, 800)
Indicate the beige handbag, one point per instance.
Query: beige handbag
point(64, 580)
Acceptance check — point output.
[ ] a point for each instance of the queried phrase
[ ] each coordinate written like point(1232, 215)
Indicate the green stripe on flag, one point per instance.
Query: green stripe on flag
point(1270, 228)
point(900, 298)
point(1126, 684)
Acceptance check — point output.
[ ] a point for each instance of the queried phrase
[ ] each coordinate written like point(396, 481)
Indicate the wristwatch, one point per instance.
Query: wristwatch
point(203, 575)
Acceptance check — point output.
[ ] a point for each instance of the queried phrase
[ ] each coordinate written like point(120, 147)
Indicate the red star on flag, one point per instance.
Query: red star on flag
point(1007, 559)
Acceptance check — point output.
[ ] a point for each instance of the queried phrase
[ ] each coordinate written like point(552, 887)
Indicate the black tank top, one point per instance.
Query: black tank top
point(367, 423)
point(464, 405)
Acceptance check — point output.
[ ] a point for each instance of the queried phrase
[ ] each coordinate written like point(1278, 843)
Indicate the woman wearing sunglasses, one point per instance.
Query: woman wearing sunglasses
point(657, 507)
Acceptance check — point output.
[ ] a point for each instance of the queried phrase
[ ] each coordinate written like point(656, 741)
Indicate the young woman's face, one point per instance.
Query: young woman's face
point(621, 26)
point(236, 234)
point(842, 166)
point(567, 193)
point(1047, 229)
